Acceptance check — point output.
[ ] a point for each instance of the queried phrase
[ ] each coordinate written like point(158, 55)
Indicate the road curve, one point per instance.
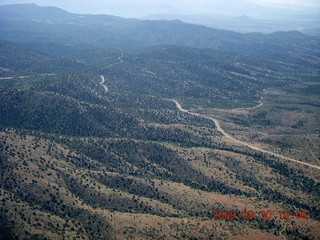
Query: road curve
point(102, 83)
point(241, 142)
point(280, 233)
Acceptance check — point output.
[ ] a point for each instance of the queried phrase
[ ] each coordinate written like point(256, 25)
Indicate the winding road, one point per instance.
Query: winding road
point(241, 142)
point(219, 128)
point(102, 83)
point(280, 233)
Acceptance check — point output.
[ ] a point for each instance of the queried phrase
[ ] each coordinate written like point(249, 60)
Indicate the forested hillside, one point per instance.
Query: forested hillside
point(94, 143)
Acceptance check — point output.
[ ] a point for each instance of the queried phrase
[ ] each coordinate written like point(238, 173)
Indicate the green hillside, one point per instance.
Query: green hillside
point(93, 144)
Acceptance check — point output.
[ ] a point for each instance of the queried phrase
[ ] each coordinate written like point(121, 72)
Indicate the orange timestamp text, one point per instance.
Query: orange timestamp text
point(262, 214)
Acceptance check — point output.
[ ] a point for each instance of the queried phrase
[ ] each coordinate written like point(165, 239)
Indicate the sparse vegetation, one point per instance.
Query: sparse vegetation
point(77, 162)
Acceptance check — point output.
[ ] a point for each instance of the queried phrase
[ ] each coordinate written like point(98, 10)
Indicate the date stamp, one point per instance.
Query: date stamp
point(262, 214)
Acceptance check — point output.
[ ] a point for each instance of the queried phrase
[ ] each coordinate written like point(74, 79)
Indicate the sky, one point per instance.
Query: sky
point(140, 8)
point(297, 2)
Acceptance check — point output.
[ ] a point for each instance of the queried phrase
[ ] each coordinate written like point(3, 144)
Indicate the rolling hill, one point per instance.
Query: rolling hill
point(93, 145)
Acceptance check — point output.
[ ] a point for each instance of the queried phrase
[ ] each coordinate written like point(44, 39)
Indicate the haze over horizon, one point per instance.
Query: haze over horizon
point(141, 8)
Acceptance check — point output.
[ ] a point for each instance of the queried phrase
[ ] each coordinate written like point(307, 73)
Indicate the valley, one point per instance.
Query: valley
point(131, 129)
point(217, 124)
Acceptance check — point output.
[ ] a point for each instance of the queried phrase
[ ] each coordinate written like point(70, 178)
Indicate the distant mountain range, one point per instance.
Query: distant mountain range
point(302, 22)
point(239, 16)
point(32, 23)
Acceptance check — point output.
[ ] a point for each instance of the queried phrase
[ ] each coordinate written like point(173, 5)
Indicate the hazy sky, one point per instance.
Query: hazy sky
point(298, 2)
point(139, 8)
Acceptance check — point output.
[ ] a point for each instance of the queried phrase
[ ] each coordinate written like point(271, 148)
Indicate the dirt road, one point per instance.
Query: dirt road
point(280, 233)
point(102, 83)
point(241, 142)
